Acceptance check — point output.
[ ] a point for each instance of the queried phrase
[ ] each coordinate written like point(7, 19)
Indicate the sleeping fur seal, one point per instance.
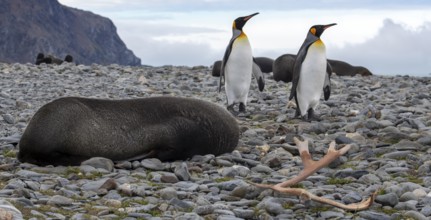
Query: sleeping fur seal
point(49, 59)
point(264, 63)
point(70, 130)
point(283, 68)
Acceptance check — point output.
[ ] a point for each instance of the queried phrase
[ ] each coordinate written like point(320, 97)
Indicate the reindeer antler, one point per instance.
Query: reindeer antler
point(310, 167)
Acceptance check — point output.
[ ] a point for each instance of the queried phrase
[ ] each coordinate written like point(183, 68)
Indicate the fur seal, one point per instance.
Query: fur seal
point(265, 64)
point(70, 130)
point(49, 59)
point(342, 68)
point(216, 68)
point(283, 68)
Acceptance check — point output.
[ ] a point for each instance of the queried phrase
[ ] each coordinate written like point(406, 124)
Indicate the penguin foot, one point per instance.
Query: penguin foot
point(241, 107)
point(312, 116)
point(298, 114)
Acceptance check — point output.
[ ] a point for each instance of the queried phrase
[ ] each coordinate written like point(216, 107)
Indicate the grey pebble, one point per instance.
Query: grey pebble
point(331, 214)
point(168, 193)
point(100, 162)
point(58, 200)
point(390, 199)
point(389, 130)
point(182, 172)
point(426, 210)
point(415, 215)
point(8, 118)
point(370, 215)
point(153, 164)
point(405, 206)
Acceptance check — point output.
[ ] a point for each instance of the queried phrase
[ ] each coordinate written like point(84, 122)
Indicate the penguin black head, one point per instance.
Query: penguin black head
point(317, 30)
point(240, 22)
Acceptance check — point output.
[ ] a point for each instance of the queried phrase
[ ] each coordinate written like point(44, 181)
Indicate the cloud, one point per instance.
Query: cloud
point(396, 49)
point(243, 5)
point(158, 52)
point(169, 44)
point(195, 32)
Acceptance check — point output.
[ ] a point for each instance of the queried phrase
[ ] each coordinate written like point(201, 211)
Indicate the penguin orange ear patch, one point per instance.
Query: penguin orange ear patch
point(313, 31)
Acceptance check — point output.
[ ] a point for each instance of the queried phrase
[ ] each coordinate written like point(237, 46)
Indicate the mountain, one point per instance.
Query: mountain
point(29, 27)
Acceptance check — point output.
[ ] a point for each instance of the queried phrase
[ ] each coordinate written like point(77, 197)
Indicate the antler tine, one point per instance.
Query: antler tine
point(302, 193)
point(311, 166)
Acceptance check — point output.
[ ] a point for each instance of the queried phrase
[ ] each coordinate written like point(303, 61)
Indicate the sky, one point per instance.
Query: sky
point(389, 37)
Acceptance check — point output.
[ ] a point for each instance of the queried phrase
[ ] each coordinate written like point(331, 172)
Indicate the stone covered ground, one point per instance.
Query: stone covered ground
point(387, 120)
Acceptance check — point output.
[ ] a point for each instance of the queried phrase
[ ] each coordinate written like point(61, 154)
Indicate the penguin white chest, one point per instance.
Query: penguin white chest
point(238, 71)
point(312, 77)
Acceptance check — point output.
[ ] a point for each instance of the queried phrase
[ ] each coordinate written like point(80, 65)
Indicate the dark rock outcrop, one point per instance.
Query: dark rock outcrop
point(46, 26)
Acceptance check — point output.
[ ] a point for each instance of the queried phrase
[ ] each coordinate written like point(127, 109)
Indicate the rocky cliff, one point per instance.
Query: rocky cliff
point(29, 27)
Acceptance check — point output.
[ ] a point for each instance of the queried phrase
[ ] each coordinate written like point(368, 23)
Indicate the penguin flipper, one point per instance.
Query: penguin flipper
point(300, 57)
point(296, 72)
point(327, 84)
point(236, 33)
point(258, 75)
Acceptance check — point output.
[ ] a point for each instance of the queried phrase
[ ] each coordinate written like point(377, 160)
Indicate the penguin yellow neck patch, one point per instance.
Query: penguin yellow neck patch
point(319, 43)
point(242, 36)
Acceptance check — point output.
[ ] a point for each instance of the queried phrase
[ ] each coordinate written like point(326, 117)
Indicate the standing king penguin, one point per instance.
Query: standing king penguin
point(237, 67)
point(311, 74)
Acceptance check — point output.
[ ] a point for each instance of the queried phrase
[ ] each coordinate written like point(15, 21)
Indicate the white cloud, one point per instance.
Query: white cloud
point(195, 32)
point(396, 49)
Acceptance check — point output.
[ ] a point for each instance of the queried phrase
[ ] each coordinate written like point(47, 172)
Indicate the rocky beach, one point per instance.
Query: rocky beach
point(386, 119)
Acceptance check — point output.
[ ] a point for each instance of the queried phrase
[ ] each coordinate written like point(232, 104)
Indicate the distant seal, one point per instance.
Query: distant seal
point(345, 69)
point(40, 58)
point(216, 68)
point(265, 64)
point(49, 59)
point(70, 130)
point(283, 68)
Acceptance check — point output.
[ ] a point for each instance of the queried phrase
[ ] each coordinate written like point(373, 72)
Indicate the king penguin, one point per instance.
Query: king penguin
point(237, 67)
point(311, 74)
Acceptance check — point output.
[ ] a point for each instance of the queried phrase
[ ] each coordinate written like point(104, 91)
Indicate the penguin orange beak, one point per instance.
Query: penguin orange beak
point(328, 25)
point(250, 16)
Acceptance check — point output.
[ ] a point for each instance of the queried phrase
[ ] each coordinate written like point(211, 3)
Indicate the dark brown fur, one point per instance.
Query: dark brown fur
point(49, 59)
point(264, 63)
point(283, 68)
point(70, 130)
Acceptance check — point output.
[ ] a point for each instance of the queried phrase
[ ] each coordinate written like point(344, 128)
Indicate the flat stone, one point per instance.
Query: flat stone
point(371, 215)
point(415, 215)
point(331, 214)
point(58, 200)
point(350, 173)
point(182, 172)
point(100, 162)
point(389, 199)
point(153, 164)
point(168, 193)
